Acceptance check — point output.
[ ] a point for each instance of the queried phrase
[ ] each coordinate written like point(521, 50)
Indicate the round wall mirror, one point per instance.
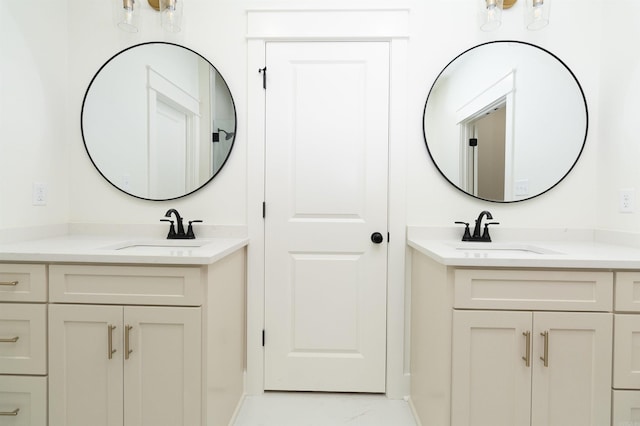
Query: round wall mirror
point(158, 121)
point(505, 121)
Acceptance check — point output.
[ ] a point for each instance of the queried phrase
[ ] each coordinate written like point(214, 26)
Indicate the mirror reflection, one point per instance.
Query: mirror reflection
point(505, 121)
point(158, 121)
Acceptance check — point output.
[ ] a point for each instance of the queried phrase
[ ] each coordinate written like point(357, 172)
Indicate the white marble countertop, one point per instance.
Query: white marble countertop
point(578, 249)
point(121, 249)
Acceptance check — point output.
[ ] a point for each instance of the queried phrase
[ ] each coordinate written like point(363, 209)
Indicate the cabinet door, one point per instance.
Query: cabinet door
point(162, 366)
point(491, 383)
point(85, 378)
point(573, 385)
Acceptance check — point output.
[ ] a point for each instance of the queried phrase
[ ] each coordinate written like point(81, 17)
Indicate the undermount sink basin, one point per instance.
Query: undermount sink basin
point(503, 248)
point(155, 245)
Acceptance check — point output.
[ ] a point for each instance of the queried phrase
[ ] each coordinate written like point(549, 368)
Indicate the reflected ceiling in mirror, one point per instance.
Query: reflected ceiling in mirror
point(158, 121)
point(505, 121)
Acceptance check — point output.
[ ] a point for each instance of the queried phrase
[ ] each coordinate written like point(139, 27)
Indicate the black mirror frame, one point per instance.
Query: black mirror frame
point(586, 130)
point(235, 120)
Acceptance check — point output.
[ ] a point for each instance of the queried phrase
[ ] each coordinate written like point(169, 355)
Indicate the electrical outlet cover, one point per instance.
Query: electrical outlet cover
point(39, 194)
point(626, 200)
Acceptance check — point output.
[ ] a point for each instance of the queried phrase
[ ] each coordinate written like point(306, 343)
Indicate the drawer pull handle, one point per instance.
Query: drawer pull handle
point(10, 283)
point(545, 357)
point(110, 350)
point(10, 413)
point(10, 340)
point(127, 351)
point(527, 353)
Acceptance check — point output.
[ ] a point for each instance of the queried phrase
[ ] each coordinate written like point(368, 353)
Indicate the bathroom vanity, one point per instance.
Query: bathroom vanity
point(106, 332)
point(524, 333)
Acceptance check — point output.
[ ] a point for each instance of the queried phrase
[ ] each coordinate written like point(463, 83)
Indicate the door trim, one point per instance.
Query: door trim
point(278, 24)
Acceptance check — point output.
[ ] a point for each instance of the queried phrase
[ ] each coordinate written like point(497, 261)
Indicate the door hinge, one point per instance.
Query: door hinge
point(264, 209)
point(473, 142)
point(263, 337)
point(263, 71)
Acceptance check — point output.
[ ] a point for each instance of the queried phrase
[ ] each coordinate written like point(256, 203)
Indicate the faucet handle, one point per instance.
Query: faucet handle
point(172, 230)
point(190, 234)
point(485, 234)
point(467, 235)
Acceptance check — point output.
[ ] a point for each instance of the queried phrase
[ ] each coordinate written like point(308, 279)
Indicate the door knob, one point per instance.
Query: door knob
point(377, 238)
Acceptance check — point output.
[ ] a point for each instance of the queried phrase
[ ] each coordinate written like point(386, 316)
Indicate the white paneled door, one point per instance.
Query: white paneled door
point(326, 240)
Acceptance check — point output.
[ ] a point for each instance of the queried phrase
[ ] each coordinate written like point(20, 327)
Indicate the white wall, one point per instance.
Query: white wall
point(33, 111)
point(441, 30)
point(50, 70)
point(548, 124)
point(619, 142)
point(210, 30)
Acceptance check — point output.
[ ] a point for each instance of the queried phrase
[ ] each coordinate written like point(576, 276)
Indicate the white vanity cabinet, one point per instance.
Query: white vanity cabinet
point(515, 368)
point(23, 344)
point(626, 367)
point(146, 345)
point(510, 347)
point(112, 361)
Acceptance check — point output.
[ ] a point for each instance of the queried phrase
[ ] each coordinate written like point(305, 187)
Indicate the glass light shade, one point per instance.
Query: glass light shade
point(536, 14)
point(490, 14)
point(127, 15)
point(171, 15)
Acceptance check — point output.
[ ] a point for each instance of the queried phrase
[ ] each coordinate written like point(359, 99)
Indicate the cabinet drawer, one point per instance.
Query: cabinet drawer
point(533, 290)
point(626, 408)
point(23, 338)
point(626, 352)
point(627, 292)
point(23, 283)
point(122, 285)
point(23, 401)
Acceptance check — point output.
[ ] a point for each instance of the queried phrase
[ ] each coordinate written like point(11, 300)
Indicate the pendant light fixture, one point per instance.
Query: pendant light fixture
point(536, 13)
point(490, 14)
point(128, 14)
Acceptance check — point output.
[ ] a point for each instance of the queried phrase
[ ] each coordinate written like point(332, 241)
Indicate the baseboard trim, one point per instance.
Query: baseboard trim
point(414, 412)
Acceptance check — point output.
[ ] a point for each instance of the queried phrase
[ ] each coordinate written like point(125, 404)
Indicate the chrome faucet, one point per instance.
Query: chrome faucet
point(476, 236)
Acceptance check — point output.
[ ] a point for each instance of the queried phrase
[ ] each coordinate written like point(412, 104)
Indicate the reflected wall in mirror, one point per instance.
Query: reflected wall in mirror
point(158, 121)
point(505, 121)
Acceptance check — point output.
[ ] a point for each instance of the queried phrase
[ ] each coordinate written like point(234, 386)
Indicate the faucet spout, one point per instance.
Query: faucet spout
point(180, 232)
point(476, 230)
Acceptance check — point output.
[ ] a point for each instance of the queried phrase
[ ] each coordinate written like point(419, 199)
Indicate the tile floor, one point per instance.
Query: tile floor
point(323, 409)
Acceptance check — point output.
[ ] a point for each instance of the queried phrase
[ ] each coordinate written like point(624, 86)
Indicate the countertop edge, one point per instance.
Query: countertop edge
point(630, 260)
point(228, 246)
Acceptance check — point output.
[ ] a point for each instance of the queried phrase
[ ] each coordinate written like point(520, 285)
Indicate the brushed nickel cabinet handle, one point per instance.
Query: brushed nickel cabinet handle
point(127, 350)
point(110, 350)
point(10, 340)
point(545, 357)
point(10, 413)
point(9, 283)
point(527, 353)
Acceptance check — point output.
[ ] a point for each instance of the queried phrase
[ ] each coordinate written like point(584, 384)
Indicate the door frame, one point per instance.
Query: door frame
point(469, 154)
point(498, 92)
point(161, 89)
point(390, 24)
